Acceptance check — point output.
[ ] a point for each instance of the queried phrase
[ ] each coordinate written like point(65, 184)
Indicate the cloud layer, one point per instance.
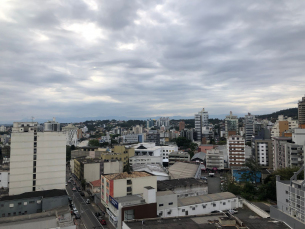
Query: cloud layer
point(86, 58)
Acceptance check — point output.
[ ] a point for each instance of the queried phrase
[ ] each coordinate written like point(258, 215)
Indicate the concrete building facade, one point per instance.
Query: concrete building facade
point(231, 125)
point(71, 134)
point(236, 151)
point(249, 127)
point(301, 111)
point(38, 159)
point(214, 159)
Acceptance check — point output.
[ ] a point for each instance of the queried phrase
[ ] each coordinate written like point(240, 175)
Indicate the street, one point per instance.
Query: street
point(86, 211)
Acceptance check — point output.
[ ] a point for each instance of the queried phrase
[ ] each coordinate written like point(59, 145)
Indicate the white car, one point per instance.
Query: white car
point(232, 211)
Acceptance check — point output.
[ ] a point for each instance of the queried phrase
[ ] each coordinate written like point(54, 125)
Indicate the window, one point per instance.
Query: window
point(14, 213)
point(35, 157)
point(170, 203)
point(3, 215)
point(32, 202)
point(9, 214)
point(19, 203)
point(224, 203)
point(160, 205)
point(129, 214)
point(203, 206)
point(19, 213)
point(183, 210)
point(129, 189)
point(214, 205)
point(34, 176)
point(34, 170)
point(287, 201)
point(26, 212)
point(11, 205)
point(34, 163)
point(34, 182)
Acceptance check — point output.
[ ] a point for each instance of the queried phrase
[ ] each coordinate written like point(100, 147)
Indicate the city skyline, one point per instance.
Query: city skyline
point(159, 58)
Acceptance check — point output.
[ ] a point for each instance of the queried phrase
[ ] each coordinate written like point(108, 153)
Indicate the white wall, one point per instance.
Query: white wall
point(4, 179)
point(113, 167)
point(91, 172)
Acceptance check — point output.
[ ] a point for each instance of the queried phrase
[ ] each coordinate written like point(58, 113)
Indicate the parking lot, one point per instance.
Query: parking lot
point(213, 183)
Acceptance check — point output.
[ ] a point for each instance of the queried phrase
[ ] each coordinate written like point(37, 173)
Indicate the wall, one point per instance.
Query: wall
point(282, 195)
point(54, 202)
point(92, 172)
point(165, 200)
point(113, 167)
point(275, 213)
point(4, 179)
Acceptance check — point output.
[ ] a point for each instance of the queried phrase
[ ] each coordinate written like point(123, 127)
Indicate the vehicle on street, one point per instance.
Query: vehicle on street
point(82, 193)
point(87, 201)
point(211, 174)
point(97, 214)
point(73, 189)
point(103, 222)
point(77, 216)
point(217, 211)
point(204, 178)
point(79, 189)
point(70, 199)
point(69, 181)
point(232, 211)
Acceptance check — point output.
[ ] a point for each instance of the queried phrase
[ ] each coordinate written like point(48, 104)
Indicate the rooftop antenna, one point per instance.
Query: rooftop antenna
point(32, 119)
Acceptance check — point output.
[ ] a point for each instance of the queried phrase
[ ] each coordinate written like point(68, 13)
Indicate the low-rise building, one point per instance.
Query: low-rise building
point(184, 187)
point(178, 156)
point(132, 207)
point(124, 184)
point(185, 170)
point(91, 169)
point(197, 205)
point(215, 159)
point(32, 202)
point(145, 160)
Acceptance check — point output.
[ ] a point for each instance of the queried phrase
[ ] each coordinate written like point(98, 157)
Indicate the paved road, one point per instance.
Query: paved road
point(86, 210)
point(213, 183)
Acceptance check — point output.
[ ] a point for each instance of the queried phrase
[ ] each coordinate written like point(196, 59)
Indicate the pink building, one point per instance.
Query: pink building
point(205, 147)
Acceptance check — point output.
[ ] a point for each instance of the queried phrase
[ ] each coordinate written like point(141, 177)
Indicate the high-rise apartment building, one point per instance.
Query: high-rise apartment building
point(301, 111)
point(149, 123)
point(283, 124)
point(71, 134)
point(198, 126)
point(163, 121)
point(236, 151)
point(204, 117)
point(181, 125)
point(249, 126)
point(231, 125)
point(263, 152)
point(137, 129)
point(38, 159)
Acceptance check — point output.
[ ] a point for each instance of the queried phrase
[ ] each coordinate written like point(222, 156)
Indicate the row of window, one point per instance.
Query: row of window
point(14, 214)
point(170, 203)
point(20, 203)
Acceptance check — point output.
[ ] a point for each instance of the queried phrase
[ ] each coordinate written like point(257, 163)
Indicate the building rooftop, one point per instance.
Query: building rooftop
point(44, 194)
point(150, 168)
point(205, 198)
point(183, 170)
point(130, 198)
point(117, 176)
point(199, 155)
point(164, 193)
point(96, 183)
point(204, 221)
point(164, 185)
point(89, 160)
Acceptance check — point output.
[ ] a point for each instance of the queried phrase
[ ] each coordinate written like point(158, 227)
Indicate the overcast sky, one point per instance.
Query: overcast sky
point(87, 58)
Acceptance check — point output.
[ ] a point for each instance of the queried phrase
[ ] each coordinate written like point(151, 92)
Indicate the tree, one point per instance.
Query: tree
point(93, 142)
point(193, 147)
point(254, 170)
point(68, 153)
point(83, 183)
point(183, 142)
point(127, 168)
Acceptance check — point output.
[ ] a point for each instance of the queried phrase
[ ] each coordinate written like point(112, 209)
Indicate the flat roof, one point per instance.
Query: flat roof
point(203, 221)
point(117, 176)
point(164, 193)
point(44, 194)
point(89, 160)
point(164, 185)
point(205, 198)
point(128, 198)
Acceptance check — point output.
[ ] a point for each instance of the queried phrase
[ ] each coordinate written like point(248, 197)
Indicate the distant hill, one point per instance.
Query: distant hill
point(291, 112)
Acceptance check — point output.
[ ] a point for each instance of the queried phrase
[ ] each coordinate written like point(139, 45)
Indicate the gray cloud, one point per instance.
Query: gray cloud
point(86, 58)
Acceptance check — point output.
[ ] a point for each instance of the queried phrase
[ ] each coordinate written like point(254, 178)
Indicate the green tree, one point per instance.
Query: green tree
point(192, 148)
point(127, 168)
point(83, 183)
point(93, 142)
point(183, 142)
point(68, 153)
point(248, 191)
point(254, 170)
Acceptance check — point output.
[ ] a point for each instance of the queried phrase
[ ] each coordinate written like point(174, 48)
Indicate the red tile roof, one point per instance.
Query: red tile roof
point(96, 183)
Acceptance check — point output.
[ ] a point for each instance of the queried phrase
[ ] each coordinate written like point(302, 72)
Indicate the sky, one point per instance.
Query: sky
point(98, 58)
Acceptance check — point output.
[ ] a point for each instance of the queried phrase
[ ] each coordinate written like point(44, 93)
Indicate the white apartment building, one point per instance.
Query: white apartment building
point(215, 159)
point(204, 117)
point(38, 159)
point(2, 128)
point(236, 151)
point(4, 178)
point(282, 124)
point(51, 126)
point(143, 160)
point(71, 134)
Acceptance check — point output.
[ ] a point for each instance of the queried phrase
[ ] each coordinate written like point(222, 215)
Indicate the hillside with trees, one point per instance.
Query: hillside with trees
point(291, 112)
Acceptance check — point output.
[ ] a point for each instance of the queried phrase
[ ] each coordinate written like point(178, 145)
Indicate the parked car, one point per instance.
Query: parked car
point(69, 181)
point(82, 193)
point(232, 211)
point(78, 189)
point(211, 174)
point(73, 189)
point(70, 199)
point(103, 222)
point(217, 211)
point(97, 214)
point(204, 178)
point(77, 216)
point(87, 201)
